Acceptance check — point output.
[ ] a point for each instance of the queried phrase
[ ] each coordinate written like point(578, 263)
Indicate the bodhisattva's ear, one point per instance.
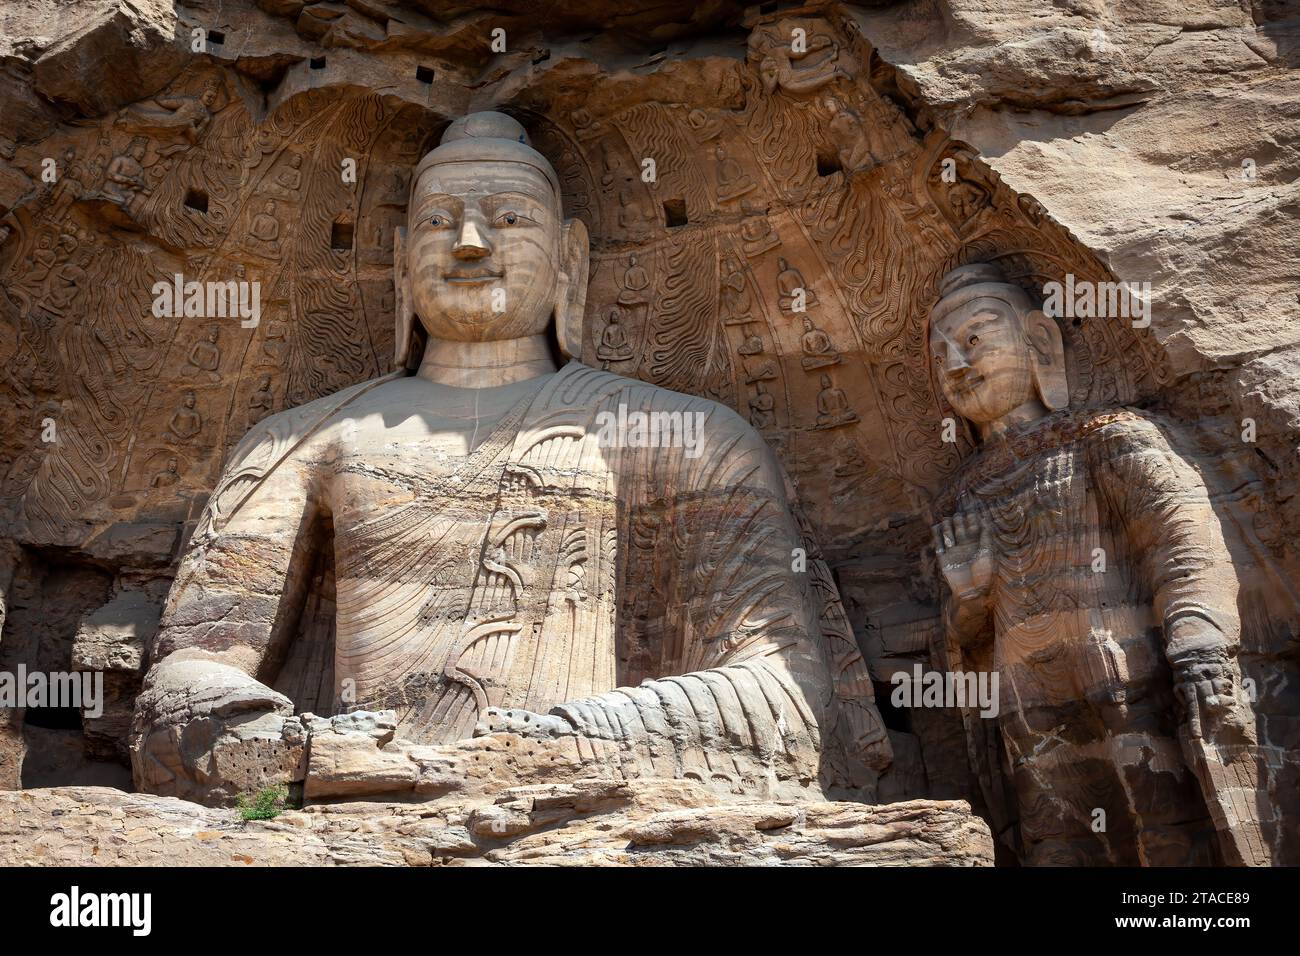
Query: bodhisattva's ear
point(404, 304)
point(571, 287)
point(1049, 359)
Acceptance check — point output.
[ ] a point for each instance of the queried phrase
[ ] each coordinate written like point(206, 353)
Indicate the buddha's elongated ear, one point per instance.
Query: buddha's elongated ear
point(403, 303)
point(1049, 359)
point(571, 287)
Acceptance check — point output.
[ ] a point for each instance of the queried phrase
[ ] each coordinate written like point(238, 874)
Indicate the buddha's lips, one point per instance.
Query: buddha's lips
point(967, 383)
point(470, 278)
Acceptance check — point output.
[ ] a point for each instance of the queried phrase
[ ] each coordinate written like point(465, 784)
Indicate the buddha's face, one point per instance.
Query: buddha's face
point(982, 359)
point(483, 247)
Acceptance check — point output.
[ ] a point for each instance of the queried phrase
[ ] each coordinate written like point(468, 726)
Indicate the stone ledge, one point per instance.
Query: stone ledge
point(639, 823)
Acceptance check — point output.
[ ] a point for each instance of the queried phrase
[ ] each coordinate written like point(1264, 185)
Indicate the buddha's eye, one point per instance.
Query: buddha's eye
point(507, 218)
point(438, 220)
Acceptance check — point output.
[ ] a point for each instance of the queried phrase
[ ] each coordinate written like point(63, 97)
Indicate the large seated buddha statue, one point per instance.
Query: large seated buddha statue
point(503, 567)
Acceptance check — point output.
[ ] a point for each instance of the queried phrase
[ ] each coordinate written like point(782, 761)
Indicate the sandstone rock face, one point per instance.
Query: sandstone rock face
point(111, 641)
point(582, 824)
point(1165, 137)
point(106, 53)
point(781, 261)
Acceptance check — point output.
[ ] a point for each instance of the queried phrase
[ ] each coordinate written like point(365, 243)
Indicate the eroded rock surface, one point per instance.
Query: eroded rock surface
point(781, 263)
point(580, 824)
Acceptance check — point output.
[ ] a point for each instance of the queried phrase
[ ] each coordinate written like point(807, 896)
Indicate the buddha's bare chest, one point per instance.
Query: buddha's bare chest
point(443, 569)
point(448, 465)
point(411, 498)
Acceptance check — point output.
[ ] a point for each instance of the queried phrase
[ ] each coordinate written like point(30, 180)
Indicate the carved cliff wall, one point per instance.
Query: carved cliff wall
point(779, 255)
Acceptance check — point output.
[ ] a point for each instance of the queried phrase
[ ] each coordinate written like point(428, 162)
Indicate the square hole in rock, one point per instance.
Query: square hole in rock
point(341, 236)
point(675, 213)
point(197, 200)
point(318, 63)
point(424, 74)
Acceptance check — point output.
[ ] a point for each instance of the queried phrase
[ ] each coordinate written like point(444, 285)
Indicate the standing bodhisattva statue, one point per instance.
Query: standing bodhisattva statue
point(505, 560)
point(1087, 569)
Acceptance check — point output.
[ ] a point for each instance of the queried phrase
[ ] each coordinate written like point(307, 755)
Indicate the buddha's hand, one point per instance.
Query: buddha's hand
point(525, 723)
point(964, 546)
point(207, 731)
point(496, 759)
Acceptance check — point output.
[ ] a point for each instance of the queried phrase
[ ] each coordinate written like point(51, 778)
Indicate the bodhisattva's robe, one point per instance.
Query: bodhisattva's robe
point(1104, 543)
point(539, 571)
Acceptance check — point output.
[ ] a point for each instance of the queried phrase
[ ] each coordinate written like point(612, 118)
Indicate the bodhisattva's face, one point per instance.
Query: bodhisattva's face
point(984, 363)
point(483, 243)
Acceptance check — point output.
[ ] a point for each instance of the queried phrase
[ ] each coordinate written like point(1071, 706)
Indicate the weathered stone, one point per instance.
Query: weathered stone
point(58, 757)
point(96, 826)
point(214, 732)
point(135, 544)
point(772, 267)
point(346, 760)
point(1185, 185)
point(107, 53)
point(111, 642)
point(113, 637)
point(741, 705)
point(1111, 476)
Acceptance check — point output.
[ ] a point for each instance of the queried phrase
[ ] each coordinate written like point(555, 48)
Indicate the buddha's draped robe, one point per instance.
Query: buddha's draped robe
point(540, 571)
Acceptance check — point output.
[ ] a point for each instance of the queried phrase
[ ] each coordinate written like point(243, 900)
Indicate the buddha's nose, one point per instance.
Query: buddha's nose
point(472, 242)
point(956, 364)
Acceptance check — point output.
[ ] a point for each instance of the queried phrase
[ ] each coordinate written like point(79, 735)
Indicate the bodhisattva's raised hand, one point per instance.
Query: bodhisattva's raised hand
point(964, 547)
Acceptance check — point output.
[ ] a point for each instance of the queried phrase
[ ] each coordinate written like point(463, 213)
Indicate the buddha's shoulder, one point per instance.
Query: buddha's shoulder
point(646, 396)
point(716, 424)
point(294, 428)
point(1126, 426)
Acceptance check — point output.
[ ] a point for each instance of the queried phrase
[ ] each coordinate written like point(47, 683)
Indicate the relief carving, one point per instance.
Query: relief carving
point(494, 569)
